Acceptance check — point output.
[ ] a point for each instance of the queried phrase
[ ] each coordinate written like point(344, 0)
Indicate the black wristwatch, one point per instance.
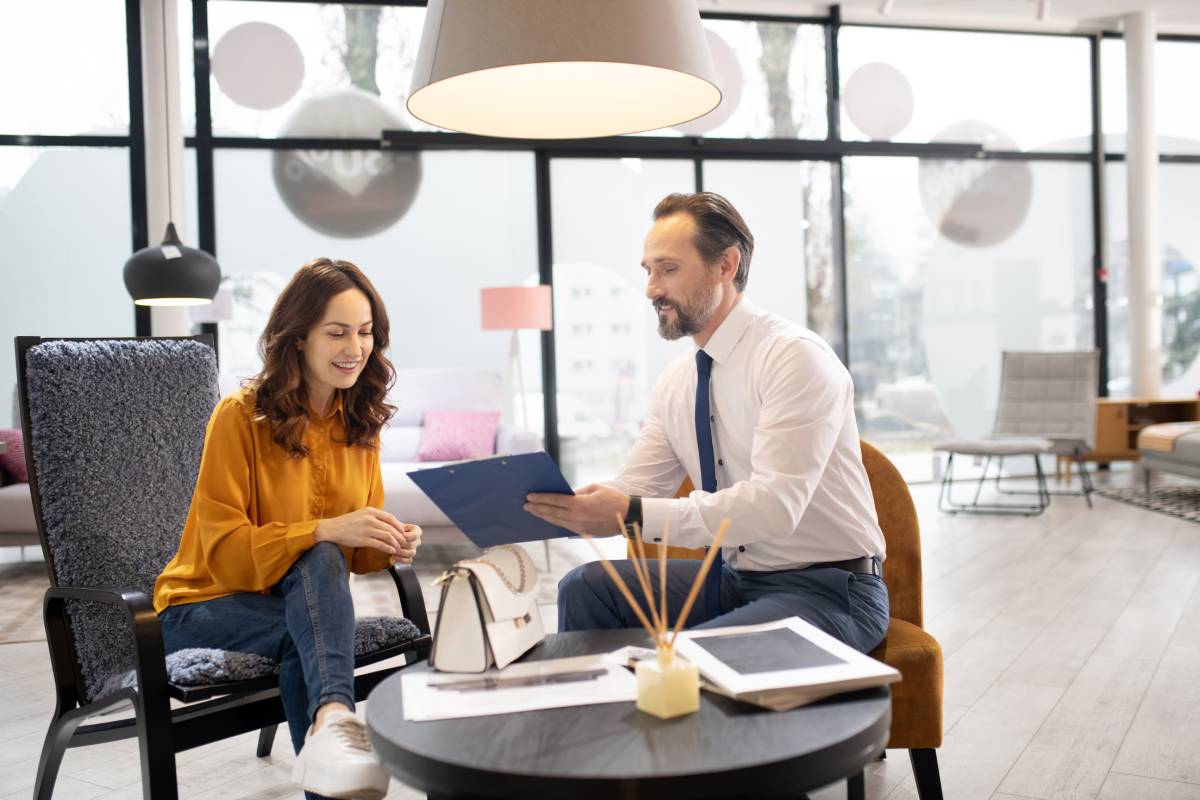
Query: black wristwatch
point(633, 515)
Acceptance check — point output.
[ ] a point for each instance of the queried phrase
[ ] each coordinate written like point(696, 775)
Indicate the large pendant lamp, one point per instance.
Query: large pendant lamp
point(562, 69)
point(169, 274)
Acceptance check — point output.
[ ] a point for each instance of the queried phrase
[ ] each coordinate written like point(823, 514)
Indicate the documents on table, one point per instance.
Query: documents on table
point(780, 665)
point(529, 686)
point(485, 498)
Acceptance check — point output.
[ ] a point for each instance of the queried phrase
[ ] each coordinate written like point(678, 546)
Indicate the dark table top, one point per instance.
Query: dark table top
point(727, 749)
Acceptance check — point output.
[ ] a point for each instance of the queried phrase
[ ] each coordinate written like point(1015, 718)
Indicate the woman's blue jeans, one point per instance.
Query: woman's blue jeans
point(305, 624)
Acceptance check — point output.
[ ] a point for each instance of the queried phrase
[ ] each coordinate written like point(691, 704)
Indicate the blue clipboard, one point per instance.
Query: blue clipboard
point(486, 498)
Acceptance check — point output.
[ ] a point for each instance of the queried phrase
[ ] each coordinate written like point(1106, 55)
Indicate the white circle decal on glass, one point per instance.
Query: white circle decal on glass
point(729, 81)
point(879, 100)
point(345, 193)
point(975, 202)
point(258, 65)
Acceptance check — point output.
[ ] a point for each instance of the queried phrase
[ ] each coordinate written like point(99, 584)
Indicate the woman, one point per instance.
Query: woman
point(289, 495)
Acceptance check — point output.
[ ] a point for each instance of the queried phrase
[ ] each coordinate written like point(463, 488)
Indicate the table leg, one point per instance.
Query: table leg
point(856, 787)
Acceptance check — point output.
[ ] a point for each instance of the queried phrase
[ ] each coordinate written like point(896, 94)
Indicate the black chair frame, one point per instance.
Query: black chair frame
point(947, 504)
point(218, 711)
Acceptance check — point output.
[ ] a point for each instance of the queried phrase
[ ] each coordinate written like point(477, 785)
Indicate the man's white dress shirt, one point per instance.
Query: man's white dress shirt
point(790, 476)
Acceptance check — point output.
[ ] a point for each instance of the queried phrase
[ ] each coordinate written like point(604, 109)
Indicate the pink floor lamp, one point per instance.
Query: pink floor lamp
point(517, 308)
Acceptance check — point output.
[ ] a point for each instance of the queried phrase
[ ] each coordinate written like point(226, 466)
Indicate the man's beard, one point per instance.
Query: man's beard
point(689, 319)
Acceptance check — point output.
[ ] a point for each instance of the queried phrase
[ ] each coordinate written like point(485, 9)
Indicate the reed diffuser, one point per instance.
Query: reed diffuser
point(667, 686)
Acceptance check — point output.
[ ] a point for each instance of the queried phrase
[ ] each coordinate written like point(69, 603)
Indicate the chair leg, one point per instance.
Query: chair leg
point(266, 740)
point(983, 477)
point(925, 772)
point(1085, 478)
point(156, 742)
point(944, 503)
point(1043, 489)
point(57, 737)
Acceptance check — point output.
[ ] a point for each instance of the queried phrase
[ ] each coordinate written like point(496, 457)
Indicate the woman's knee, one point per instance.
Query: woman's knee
point(325, 555)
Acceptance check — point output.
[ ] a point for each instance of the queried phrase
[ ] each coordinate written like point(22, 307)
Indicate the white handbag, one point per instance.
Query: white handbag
point(488, 612)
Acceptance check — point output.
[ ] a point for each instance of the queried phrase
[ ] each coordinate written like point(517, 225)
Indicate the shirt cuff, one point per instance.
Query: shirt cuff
point(657, 511)
point(301, 536)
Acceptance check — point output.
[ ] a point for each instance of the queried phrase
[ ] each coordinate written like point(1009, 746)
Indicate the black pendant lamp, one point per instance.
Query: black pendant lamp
point(171, 274)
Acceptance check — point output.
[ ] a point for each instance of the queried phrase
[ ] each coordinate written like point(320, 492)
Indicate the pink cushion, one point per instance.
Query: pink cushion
point(12, 460)
point(455, 435)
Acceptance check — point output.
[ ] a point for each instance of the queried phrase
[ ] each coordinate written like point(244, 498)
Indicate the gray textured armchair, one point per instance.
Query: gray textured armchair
point(113, 433)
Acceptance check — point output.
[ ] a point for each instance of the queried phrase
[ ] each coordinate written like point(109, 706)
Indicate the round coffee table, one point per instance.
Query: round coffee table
point(727, 749)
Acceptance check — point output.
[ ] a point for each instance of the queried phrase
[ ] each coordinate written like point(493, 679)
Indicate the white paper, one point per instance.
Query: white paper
point(854, 667)
point(170, 251)
point(423, 700)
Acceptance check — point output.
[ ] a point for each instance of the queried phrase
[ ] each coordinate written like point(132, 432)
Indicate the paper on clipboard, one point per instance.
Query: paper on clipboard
point(485, 499)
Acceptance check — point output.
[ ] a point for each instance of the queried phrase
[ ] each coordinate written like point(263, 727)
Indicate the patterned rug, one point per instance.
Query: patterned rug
point(1181, 501)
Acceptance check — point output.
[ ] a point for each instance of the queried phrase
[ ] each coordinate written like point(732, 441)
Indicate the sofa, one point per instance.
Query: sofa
point(416, 391)
point(1169, 447)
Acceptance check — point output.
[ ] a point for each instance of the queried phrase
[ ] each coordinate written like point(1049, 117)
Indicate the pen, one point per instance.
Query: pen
point(512, 683)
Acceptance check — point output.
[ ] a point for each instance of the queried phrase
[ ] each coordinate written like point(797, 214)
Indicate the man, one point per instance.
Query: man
point(761, 418)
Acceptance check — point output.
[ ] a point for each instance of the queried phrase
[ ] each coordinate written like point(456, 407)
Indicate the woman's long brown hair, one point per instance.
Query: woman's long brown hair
point(281, 392)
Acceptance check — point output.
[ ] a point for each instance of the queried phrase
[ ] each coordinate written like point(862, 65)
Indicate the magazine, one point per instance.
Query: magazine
point(780, 665)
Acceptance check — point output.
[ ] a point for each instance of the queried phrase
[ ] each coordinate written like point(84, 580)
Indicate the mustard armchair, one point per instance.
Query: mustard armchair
point(917, 698)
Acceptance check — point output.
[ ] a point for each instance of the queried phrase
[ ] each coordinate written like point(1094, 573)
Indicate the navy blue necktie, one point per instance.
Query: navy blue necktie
point(708, 472)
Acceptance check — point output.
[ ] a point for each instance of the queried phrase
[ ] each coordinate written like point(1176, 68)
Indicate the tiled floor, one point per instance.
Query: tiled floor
point(1072, 648)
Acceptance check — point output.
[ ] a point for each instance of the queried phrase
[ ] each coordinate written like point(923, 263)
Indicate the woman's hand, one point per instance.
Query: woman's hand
point(412, 540)
point(368, 527)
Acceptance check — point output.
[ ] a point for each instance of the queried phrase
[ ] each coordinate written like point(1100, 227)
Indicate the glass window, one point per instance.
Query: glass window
point(786, 204)
point(334, 71)
point(1005, 91)
point(62, 253)
point(429, 248)
point(65, 68)
point(1178, 195)
point(949, 263)
point(772, 81)
point(1177, 117)
point(601, 213)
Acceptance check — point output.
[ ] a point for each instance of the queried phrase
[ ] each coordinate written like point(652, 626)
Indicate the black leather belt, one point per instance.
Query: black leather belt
point(867, 565)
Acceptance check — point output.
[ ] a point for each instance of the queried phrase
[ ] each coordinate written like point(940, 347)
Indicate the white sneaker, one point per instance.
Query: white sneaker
point(338, 761)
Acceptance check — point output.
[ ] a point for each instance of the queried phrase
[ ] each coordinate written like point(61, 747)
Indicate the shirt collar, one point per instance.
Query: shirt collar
point(335, 408)
point(725, 338)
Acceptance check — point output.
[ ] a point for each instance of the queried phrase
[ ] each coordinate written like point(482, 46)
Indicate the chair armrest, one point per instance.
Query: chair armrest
point(511, 440)
point(412, 602)
point(149, 659)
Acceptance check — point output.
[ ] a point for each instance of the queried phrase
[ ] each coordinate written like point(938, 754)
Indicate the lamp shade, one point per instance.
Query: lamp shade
point(517, 308)
point(561, 69)
point(170, 274)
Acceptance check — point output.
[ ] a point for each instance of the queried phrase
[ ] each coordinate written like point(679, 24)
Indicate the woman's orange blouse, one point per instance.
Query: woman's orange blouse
point(256, 506)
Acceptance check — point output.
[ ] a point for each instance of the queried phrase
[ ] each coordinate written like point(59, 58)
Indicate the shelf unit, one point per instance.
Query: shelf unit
point(1118, 421)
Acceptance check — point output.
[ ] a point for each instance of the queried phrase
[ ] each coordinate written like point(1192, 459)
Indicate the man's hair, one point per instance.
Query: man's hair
point(719, 226)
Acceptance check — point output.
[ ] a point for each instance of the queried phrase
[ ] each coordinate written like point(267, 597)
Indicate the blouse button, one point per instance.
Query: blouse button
point(741, 548)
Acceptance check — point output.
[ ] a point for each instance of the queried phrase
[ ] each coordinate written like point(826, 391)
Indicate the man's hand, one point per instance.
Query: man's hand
point(592, 510)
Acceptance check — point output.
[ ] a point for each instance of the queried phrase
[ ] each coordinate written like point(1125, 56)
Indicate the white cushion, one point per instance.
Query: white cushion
point(402, 497)
point(443, 389)
point(399, 442)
